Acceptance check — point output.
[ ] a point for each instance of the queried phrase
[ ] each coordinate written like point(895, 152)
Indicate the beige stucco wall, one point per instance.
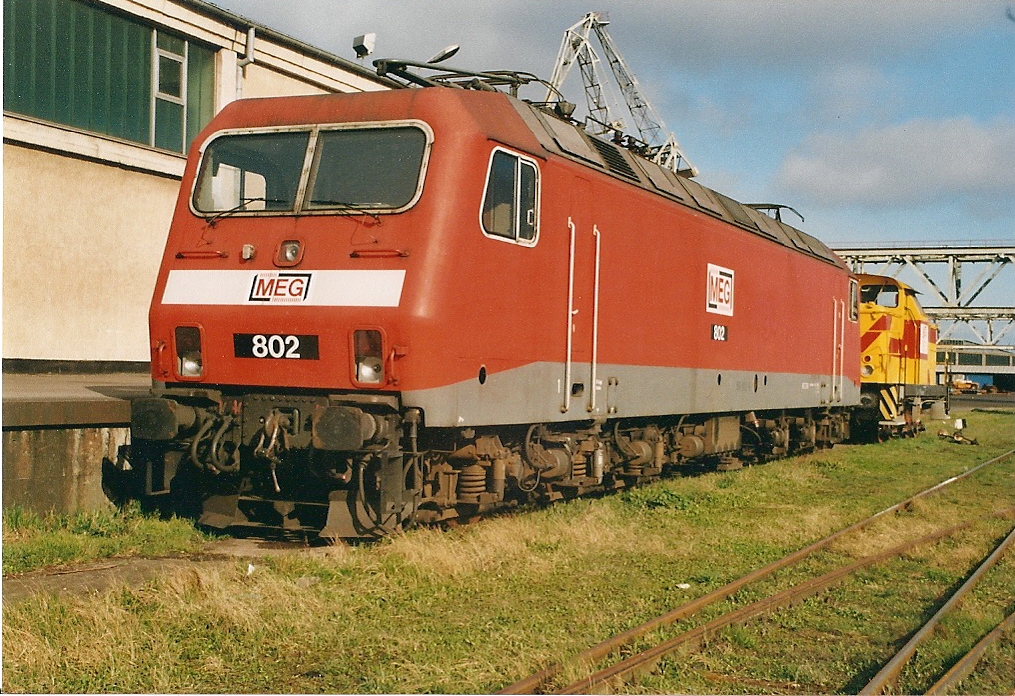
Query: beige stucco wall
point(84, 225)
point(259, 81)
point(82, 246)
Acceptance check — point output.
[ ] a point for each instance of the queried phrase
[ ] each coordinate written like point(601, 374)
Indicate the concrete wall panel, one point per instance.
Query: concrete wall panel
point(83, 242)
point(58, 469)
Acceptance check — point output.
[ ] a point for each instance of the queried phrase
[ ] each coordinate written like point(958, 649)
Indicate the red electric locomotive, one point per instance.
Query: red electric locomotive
point(420, 304)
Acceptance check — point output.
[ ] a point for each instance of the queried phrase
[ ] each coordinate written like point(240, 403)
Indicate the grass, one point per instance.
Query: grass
point(472, 609)
point(32, 541)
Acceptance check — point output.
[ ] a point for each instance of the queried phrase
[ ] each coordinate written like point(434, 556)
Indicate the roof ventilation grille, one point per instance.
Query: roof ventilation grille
point(615, 160)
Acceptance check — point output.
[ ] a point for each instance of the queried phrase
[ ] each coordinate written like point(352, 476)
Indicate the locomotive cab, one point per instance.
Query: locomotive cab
point(275, 326)
point(305, 288)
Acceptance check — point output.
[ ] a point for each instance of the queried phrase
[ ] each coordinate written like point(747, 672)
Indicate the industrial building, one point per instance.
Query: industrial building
point(101, 101)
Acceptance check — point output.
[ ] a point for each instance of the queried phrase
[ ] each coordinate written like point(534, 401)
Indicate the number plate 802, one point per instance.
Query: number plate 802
point(276, 346)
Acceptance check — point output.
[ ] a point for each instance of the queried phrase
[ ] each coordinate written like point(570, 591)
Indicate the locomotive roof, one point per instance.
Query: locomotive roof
point(886, 280)
point(572, 142)
point(538, 127)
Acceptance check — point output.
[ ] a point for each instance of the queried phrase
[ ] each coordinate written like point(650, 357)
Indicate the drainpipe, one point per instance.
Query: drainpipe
point(242, 63)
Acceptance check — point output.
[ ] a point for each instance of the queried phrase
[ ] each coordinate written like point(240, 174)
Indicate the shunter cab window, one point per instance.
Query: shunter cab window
point(881, 295)
point(357, 168)
point(511, 203)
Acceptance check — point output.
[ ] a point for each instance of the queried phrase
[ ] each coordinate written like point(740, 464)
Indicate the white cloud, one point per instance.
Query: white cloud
point(919, 162)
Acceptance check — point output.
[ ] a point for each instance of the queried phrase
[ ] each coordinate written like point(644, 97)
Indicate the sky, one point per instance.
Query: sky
point(881, 122)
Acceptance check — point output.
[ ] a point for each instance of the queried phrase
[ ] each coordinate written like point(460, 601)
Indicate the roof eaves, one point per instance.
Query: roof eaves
point(242, 23)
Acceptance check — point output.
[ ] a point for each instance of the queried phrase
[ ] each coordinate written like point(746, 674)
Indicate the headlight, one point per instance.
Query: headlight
point(368, 352)
point(289, 253)
point(866, 370)
point(369, 370)
point(190, 365)
point(188, 351)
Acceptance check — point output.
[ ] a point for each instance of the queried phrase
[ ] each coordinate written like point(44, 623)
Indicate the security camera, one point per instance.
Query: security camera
point(364, 45)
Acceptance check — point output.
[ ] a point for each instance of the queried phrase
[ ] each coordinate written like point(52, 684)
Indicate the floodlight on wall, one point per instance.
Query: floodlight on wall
point(364, 45)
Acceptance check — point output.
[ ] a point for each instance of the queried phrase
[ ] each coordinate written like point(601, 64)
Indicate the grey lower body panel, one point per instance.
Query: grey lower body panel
point(539, 393)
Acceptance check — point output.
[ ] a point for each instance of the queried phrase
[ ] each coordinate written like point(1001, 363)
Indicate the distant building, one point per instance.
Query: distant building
point(102, 98)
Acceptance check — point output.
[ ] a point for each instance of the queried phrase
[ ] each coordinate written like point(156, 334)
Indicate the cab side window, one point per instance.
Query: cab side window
point(511, 202)
point(881, 295)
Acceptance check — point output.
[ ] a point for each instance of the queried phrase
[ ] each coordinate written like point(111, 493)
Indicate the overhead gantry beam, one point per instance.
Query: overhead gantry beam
point(997, 322)
point(953, 303)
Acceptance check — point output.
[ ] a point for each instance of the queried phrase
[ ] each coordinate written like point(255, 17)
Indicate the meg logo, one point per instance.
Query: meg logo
point(719, 293)
point(279, 287)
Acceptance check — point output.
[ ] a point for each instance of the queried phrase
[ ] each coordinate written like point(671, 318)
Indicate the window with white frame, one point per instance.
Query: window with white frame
point(511, 201)
point(88, 67)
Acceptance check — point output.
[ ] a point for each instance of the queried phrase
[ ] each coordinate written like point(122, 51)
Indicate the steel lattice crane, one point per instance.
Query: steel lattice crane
point(661, 146)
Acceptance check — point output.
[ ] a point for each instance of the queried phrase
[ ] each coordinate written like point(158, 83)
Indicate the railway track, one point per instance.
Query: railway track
point(544, 681)
point(890, 672)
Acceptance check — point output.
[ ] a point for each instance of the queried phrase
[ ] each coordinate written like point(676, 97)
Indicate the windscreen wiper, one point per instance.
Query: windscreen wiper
point(240, 208)
point(365, 208)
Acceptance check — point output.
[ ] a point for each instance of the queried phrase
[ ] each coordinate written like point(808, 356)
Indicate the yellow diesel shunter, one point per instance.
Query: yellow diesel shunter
point(898, 357)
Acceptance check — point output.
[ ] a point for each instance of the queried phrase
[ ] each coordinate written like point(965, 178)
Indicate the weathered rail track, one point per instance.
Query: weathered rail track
point(967, 663)
point(890, 672)
point(645, 660)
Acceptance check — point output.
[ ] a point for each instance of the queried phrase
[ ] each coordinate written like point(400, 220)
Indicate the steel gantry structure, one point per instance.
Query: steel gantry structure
point(659, 145)
point(952, 306)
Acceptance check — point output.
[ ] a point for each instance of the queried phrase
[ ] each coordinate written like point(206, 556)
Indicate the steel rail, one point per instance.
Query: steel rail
point(649, 657)
point(890, 672)
point(597, 652)
point(964, 667)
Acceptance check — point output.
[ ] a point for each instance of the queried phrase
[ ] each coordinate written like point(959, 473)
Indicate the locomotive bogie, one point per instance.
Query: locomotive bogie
point(263, 463)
